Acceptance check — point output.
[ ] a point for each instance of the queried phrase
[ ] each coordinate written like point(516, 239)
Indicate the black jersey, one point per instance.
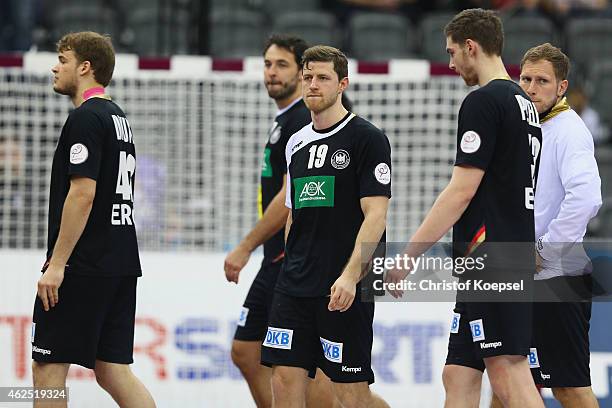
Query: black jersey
point(329, 171)
point(274, 166)
point(97, 142)
point(499, 132)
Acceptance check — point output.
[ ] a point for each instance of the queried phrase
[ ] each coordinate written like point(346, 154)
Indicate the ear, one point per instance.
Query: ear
point(562, 89)
point(344, 82)
point(85, 67)
point(471, 46)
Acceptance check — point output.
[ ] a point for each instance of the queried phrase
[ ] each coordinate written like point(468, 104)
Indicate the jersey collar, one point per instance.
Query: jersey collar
point(561, 106)
point(286, 108)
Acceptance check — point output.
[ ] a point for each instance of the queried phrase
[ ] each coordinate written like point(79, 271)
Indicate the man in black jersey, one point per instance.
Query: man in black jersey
point(282, 78)
point(85, 308)
point(489, 199)
point(338, 189)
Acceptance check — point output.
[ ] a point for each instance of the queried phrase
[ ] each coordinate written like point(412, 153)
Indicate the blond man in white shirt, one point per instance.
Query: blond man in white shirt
point(568, 195)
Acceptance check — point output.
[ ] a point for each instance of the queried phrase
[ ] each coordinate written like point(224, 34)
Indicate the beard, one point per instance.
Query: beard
point(546, 106)
point(321, 103)
point(469, 76)
point(69, 89)
point(286, 90)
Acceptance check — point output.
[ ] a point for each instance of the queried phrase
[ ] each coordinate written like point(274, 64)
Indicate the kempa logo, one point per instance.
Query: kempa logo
point(315, 191)
point(545, 376)
point(490, 345)
point(346, 369)
point(40, 350)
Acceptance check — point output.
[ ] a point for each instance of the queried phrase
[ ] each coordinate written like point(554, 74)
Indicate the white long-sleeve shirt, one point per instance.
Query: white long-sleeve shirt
point(568, 195)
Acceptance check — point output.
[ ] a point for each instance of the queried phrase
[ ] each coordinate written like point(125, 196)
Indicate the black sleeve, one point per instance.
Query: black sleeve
point(84, 144)
point(479, 121)
point(374, 164)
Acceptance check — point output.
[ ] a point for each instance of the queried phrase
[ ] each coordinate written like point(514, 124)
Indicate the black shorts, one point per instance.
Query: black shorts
point(303, 333)
point(253, 320)
point(93, 320)
point(560, 353)
point(488, 329)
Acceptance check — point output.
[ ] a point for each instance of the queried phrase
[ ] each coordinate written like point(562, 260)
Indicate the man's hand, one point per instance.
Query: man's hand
point(539, 262)
point(395, 276)
point(48, 286)
point(342, 294)
point(234, 262)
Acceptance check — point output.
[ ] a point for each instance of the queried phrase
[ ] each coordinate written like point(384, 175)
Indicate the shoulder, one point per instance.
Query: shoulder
point(497, 91)
point(366, 130)
point(569, 130)
point(87, 112)
point(294, 119)
point(298, 139)
point(480, 98)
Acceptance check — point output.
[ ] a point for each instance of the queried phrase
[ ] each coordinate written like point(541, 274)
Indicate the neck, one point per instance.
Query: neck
point(491, 68)
point(330, 116)
point(560, 106)
point(283, 103)
point(85, 91)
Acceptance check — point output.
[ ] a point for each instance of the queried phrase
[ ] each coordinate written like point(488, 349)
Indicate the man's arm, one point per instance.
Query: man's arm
point(75, 214)
point(374, 223)
point(288, 225)
point(446, 211)
point(273, 219)
point(579, 176)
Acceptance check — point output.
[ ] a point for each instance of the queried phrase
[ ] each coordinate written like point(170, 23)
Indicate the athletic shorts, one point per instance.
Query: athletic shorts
point(253, 320)
point(560, 348)
point(93, 320)
point(303, 333)
point(488, 329)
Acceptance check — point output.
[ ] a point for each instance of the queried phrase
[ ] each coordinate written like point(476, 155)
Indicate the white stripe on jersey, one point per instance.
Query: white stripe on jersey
point(304, 137)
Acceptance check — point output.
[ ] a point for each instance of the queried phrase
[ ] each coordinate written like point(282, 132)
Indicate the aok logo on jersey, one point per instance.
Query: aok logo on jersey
point(314, 191)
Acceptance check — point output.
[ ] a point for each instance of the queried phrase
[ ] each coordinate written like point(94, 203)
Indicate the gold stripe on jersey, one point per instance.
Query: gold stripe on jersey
point(561, 106)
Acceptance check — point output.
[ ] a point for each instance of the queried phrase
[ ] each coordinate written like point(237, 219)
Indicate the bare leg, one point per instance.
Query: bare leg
point(358, 395)
point(512, 382)
point(289, 387)
point(462, 386)
point(576, 397)
point(125, 388)
point(49, 375)
point(246, 355)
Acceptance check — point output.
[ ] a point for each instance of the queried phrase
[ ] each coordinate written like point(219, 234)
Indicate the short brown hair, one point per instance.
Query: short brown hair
point(548, 52)
point(325, 53)
point(92, 47)
point(482, 26)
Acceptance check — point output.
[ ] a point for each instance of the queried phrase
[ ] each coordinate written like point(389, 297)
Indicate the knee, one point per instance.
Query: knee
point(499, 385)
point(49, 374)
point(107, 376)
point(37, 373)
point(279, 382)
point(283, 383)
point(244, 360)
point(354, 395)
point(567, 394)
point(103, 379)
point(456, 382)
point(352, 400)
